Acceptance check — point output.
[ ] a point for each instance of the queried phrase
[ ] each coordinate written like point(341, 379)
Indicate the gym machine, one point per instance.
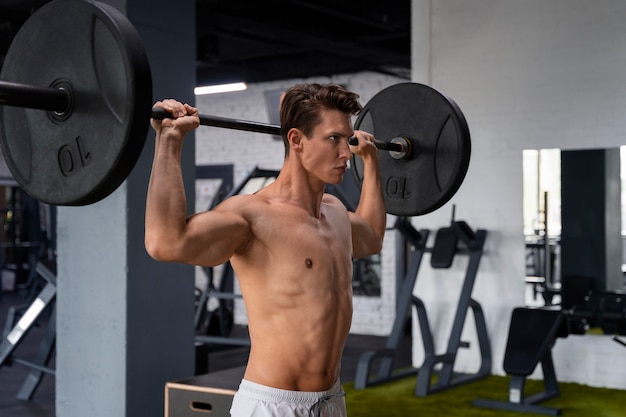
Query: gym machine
point(14, 334)
point(532, 334)
point(458, 239)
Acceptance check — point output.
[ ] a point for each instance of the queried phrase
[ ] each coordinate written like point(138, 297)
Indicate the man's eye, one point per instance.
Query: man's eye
point(334, 137)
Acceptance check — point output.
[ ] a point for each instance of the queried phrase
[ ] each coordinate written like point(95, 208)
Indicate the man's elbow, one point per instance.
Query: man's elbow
point(153, 250)
point(157, 249)
point(377, 247)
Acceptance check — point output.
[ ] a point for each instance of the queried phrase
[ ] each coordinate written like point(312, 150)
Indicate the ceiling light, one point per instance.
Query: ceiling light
point(221, 88)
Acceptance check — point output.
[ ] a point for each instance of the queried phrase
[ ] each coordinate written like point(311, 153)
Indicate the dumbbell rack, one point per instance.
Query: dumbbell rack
point(447, 378)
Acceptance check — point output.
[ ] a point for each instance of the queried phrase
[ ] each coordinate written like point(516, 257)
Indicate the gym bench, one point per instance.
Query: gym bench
point(532, 334)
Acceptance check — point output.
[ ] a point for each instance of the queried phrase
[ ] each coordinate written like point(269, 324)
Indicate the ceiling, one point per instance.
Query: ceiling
point(258, 41)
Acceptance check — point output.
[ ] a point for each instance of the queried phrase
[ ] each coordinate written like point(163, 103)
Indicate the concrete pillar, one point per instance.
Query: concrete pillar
point(125, 321)
point(421, 41)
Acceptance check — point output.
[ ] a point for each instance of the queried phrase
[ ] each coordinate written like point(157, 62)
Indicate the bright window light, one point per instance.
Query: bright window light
point(221, 88)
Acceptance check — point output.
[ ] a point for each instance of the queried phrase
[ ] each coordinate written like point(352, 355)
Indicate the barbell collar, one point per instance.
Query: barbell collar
point(29, 96)
point(405, 148)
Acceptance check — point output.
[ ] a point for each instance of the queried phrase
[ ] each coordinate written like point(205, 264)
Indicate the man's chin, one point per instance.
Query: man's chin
point(335, 181)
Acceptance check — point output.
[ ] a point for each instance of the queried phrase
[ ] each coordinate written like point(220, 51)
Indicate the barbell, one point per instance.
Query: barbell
point(75, 104)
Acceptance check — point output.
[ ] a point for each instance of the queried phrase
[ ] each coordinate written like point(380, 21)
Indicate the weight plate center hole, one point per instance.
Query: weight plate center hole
point(62, 115)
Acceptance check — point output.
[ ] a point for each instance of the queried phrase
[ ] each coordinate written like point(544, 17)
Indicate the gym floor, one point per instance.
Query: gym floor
point(42, 404)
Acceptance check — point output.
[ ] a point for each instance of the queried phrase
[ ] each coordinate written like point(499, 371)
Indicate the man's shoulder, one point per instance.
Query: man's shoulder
point(242, 202)
point(333, 201)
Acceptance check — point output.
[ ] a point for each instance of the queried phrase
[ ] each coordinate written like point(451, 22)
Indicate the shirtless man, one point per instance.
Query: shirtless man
point(290, 245)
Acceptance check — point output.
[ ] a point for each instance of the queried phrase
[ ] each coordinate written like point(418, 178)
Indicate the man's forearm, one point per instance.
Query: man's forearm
point(372, 204)
point(166, 202)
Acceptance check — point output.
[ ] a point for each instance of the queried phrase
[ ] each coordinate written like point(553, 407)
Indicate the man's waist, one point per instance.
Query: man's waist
point(270, 393)
point(291, 378)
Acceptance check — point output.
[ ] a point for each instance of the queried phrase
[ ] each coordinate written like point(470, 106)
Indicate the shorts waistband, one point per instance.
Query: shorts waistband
point(270, 394)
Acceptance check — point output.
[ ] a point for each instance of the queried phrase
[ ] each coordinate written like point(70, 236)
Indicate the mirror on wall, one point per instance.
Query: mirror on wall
point(574, 211)
point(542, 224)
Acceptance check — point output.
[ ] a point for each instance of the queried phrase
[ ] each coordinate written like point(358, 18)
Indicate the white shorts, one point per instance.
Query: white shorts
point(256, 400)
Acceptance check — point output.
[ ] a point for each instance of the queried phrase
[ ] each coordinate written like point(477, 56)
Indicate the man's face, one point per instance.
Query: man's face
point(326, 152)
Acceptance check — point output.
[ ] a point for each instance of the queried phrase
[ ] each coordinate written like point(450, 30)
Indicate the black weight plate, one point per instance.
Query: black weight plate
point(82, 156)
point(440, 142)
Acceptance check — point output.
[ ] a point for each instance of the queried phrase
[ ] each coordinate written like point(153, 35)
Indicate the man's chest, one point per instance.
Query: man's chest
point(294, 232)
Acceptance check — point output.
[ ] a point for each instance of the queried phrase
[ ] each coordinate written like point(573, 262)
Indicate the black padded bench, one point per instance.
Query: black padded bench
point(532, 334)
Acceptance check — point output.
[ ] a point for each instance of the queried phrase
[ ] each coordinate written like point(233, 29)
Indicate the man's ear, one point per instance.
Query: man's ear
point(295, 138)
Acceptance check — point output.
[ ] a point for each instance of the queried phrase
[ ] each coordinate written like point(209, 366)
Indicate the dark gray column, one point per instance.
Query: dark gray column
point(125, 321)
point(591, 242)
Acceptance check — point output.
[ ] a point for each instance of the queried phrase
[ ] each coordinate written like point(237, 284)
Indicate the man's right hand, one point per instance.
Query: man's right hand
point(184, 118)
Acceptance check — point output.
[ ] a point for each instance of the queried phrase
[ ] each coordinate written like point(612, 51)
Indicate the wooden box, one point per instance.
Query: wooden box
point(203, 395)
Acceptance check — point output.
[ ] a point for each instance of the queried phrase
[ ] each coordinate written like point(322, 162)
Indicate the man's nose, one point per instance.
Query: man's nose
point(345, 152)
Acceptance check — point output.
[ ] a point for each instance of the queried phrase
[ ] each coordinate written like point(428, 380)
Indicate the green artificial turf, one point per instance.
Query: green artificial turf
point(396, 399)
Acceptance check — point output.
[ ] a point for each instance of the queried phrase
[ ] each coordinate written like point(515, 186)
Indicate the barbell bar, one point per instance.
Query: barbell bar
point(97, 100)
point(33, 97)
point(271, 129)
